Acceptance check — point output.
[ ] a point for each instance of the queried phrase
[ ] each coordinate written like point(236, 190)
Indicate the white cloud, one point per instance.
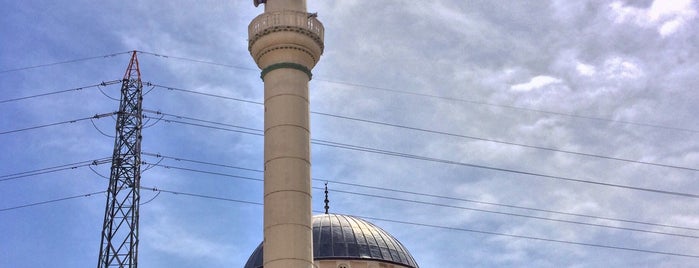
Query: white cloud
point(667, 16)
point(670, 8)
point(672, 26)
point(617, 67)
point(536, 82)
point(585, 69)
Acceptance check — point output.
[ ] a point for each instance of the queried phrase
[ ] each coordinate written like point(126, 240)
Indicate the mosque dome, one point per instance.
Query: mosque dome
point(342, 237)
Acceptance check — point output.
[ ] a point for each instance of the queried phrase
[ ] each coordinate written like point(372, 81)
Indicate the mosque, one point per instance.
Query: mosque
point(286, 42)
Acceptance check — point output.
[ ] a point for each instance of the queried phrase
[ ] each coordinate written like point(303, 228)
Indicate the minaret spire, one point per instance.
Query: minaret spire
point(286, 43)
point(326, 198)
point(279, 5)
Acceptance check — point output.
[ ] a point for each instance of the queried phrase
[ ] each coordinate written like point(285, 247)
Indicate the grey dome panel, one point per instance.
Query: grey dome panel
point(345, 237)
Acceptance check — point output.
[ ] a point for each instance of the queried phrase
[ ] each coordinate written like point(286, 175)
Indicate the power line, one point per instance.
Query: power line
point(512, 206)
point(155, 189)
point(62, 91)
point(54, 169)
point(105, 160)
point(505, 142)
point(97, 116)
point(444, 205)
point(198, 120)
point(63, 62)
point(452, 134)
point(197, 61)
point(444, 161)
point(51, 201)
point(512, 107)
point(507, 170)
point(206, 94)
point(532, 237)
point(511, 214)
point(68, 167)
point(199, 162)
point(203, 172)
point(211, 197)
point(161, 156)
point(213, 127)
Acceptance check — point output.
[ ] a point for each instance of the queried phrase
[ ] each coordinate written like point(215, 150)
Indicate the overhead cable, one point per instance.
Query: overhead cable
point(157, 155)
point(36, 172)
point(507, 170)
point(455, 135)
point(511, 206)
point(451, 162)
point(211, 197)
point(97, 116)
point(180, 159)
point(206, 94)
point(62, 91)
point(513, 107)
point(505, 142)
point(63, 62)
point(198, 120)
point(217, 198)
point(195, 60)
point(202, 171)
point(156, 189)
point(445, 98)
point(51, 201)
point(509, 213)
point(532, 237)
point(445, 205)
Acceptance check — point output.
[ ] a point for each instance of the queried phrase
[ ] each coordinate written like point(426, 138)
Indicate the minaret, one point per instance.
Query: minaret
point(286, 43)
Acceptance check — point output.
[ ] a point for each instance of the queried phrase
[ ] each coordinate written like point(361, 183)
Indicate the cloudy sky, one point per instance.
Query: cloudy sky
point(479, 133)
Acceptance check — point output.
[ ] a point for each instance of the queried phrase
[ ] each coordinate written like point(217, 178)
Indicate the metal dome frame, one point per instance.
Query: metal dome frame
point(343, 237)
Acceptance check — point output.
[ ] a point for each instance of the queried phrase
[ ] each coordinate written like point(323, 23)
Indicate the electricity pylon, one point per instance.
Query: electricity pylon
point(119, 246)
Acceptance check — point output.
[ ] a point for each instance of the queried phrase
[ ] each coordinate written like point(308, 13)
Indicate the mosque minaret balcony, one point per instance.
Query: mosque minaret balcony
point(302, 28)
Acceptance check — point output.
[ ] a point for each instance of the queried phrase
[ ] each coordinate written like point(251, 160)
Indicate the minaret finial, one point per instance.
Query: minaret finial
point(258, 2)
point(326, 198)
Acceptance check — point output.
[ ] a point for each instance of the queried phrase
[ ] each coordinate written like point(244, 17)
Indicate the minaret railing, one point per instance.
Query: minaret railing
point(302, 22)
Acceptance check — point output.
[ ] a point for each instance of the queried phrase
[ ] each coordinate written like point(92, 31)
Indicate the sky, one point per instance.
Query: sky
point(478, 133)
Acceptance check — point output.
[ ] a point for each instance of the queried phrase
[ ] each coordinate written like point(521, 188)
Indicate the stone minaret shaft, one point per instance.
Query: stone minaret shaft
point(286, 42)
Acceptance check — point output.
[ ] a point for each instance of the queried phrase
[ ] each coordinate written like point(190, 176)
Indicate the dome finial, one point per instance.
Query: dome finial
point(326, 198)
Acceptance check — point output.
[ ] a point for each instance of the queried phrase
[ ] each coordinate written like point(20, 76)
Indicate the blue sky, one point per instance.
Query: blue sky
point(594, 91)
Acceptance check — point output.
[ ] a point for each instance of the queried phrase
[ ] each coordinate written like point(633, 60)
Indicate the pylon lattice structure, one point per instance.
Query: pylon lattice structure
point(119, 246)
